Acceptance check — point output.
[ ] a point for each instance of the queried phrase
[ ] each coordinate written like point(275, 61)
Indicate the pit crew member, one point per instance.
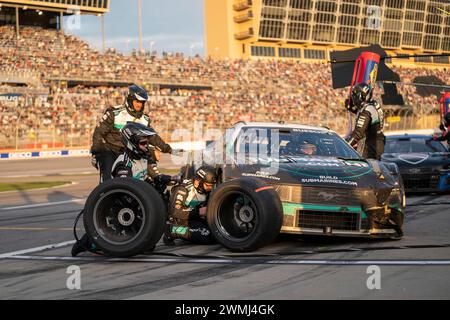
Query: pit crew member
point(187, 209)
point(367, 137)
point(107, 143)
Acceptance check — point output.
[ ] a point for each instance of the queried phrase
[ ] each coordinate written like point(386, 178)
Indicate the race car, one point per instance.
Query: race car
point(273, 178)
point(424, 164)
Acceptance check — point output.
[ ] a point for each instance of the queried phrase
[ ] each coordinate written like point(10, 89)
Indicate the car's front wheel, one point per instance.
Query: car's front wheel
point(245, 214)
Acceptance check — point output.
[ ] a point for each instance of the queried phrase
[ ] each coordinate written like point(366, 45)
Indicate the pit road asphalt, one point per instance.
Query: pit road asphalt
point(35, 218)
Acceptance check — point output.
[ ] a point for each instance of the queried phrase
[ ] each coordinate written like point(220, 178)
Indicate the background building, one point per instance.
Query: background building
point(310, 29)
point(47, 13)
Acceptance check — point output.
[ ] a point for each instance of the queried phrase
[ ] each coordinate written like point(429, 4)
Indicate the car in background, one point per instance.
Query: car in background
point(424, 163)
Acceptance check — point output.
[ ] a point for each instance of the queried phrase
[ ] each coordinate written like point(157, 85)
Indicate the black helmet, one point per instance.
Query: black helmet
point(447, 119)
point(361, 93)
point(205, 174)
point(134, 134)
point(136, 93)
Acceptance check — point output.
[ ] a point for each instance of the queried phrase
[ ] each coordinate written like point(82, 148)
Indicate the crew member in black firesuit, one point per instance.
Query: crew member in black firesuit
point(187, 209)
point(107, 143)
point(133, 163)
point(368, 136)
point(445, 128)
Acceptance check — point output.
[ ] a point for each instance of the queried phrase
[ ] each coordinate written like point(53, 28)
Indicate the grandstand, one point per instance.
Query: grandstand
point(310, 29)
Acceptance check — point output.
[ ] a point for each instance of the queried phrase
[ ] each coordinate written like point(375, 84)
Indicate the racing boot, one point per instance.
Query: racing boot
point(175, 231)
point(397, 229)
point(82, 245)
point(168, 238)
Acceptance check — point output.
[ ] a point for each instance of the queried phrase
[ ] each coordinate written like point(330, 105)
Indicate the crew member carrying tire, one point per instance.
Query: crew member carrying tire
point(107, 143)
point(133, 163)
point(367, 137)
point(187, 209)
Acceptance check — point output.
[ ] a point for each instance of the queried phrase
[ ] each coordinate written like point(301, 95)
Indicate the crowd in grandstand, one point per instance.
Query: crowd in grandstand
point(260, 90)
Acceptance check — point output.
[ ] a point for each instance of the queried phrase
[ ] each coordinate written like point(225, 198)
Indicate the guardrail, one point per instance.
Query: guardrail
point(81, 152)
point(43, 154)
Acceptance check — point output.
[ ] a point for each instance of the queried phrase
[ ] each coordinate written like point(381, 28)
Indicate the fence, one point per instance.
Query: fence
point(19, 135)
point(418, 118)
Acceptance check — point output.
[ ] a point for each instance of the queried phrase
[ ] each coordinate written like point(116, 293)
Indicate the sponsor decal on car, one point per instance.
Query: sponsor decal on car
point(261, 174)
point(332, 180)
point(309, 131)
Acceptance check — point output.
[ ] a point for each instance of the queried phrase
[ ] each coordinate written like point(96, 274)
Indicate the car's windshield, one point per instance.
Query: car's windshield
point(294, 142)
point(410, 145)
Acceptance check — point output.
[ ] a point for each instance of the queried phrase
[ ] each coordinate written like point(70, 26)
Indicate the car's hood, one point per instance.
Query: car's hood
point(318, 171)
point(416, 161)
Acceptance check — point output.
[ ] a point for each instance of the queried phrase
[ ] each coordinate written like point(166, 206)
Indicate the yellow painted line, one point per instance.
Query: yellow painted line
point(35, 229)
point(448, 13)
point(393, 119)
point(40, 189)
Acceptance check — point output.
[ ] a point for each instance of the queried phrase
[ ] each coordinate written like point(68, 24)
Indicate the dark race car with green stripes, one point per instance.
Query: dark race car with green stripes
point(298, 179)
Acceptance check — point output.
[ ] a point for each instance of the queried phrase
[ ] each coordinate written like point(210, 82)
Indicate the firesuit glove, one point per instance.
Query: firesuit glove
point(351, 142)
point(350, 106)
point(94, 161)
point(177, 152)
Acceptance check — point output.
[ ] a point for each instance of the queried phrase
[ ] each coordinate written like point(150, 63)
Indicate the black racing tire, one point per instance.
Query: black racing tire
point(124, 217)
point(245, 214)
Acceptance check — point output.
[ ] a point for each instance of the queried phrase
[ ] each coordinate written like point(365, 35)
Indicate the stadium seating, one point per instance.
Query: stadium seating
point(261, 90)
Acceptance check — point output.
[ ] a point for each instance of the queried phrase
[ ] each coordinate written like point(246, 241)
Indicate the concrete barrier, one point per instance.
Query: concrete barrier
point(84, 152)
point(400, 132)
point(34, 154)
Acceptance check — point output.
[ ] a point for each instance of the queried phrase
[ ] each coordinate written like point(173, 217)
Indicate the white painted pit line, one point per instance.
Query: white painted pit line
point(240, 261)
point(36, 249)
point(37, 205)
point(25, 255)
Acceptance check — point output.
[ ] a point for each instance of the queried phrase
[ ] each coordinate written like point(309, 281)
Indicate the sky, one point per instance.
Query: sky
point(172, 26)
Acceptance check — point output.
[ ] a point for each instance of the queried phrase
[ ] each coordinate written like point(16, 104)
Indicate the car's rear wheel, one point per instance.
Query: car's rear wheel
point(124, 217)
point(245, 214)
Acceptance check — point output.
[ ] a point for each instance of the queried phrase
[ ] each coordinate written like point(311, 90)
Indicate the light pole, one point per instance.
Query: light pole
point(152, 43)
point(141, 49)
point(17, 128)
point(192, 49)
point(102, 20)
point(128, 45)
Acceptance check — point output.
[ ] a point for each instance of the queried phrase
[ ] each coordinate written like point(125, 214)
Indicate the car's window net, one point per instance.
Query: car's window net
point(411, 145)
point(293, 142)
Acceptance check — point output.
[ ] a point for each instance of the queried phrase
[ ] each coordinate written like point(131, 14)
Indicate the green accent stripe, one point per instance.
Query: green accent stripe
point(290, 209)
point(193, 203)
point(396, 206)
point(140, 174)
point(118, 126)
point(179, 230)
